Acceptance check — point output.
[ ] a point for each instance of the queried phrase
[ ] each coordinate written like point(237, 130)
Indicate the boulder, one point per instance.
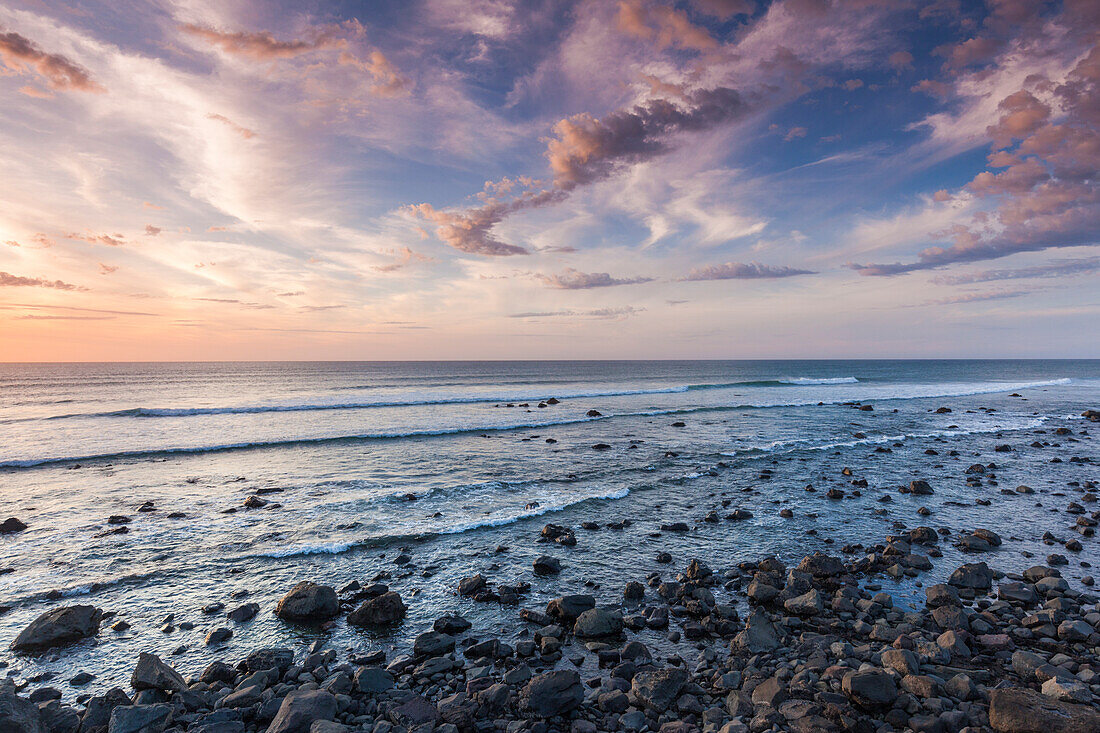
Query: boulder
point(759, 634)
point(546, 565)
point(920, 488)
point(821, 565)
point(300, 708)
point(308, 602)
point(472, 585)
point(807, 604)
point(384, 609)
point(58, 627)
point(18, 715)
point(568, 608)
point(372, 680)
point(140, 718)
point(657, 689)
point(870, 689)
point(596, 623)
point(11, 525)
point(1024, 711)
point(976, 576)
point(553, 693)
point(432, 644)
point(152, 674)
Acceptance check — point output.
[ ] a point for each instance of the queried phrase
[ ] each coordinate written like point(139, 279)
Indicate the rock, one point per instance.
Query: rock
point(414, 713)
point(372, 680)
point(870, 689)
point(559, 534)
point(759, 634)
point(152, 674)
point(902, 661)
point(472, 585)
point(269, 658)
point(941, 594)
point(300, 709)
point(58, 627)
point(140, 718)
point(1015, 710)
point(553, 693)
point(11, 525)
point(568, 608)
point(634, 591)
point(546, 565)
point(821, 565)
point(384, 609)
point(976, 576)
point(657, 689)
point(807, 604)
point(1067, 690)
point(218, 636)
point(432, 644)
point(452, 624)
point(920, 488)
point(244, 613)
point(308, 602)
point(597, 623)
point(18, 715)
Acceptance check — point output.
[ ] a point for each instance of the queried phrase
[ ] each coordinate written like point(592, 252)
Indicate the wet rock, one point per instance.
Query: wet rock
point(153, 674)
point(308, 602)
point(1024, 711)
point(472, 585)
point(58, 627)
point(920, 488)
point(559, 534)
point(140, 718)
point(384, 609)
point(11, 525)
point(568, 608)
point(300, 709)
point(976, 576)
point(821, 565)
point(657, 689)
point(432, 644)
point(552, 693)
point(759, 634)
point(372, 680)
point(218, 636)
point(18, 715)
point(546, 565)
point(597, 623)
point(243, 613)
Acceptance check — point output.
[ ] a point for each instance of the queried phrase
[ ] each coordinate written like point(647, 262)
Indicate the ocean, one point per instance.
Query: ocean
point(456, 466)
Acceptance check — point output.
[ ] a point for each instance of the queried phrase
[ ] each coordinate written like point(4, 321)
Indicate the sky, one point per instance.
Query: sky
point(496, 179)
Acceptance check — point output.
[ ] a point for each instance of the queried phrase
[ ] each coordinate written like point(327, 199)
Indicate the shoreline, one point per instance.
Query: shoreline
point(817, 646)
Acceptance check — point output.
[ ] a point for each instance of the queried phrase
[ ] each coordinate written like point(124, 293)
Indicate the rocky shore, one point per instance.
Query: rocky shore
point(816, 646)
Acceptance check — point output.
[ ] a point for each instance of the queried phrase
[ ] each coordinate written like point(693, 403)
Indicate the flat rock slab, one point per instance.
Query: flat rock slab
point(1026, 711)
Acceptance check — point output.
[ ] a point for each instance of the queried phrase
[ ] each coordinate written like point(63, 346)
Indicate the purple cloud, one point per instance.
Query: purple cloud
point(576, 280)
point(744, 271)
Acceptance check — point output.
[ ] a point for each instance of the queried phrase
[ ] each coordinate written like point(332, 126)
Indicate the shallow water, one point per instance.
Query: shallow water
point(348, 443)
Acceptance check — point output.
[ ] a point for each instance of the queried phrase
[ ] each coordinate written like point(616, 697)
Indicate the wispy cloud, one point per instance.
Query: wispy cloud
point(7, 280)
point(572, 279)
point(20, 54)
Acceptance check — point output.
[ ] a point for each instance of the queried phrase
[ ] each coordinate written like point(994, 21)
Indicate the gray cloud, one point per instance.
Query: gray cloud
point(573, 279)
point(1054, 268)
point(744, 271)
point(16, 281)
point(621, 312)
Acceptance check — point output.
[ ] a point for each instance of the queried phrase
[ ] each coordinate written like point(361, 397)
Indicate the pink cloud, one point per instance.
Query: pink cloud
point(724, 9)
point(576, 280)
point(109, 240)
point(668, 26)
point(21, 54)
point(242, 131)
point(262, 45)
point(7, 280)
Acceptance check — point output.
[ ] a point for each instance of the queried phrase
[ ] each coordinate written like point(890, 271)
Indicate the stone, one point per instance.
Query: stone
point(552, 693)
point(59, 627)
point(1015, 710)
point(920, 488)
point(300, 709)
point(597, 623)
point(821, 565)
point(269, 658)
point(151, 673)
point(140, 718)
point(1067, 690)
point(384, 609)
point(870, 689)
point(759, 634)
point(218, 636)
point(11, 525)
point(244, 613)
point(308, 602)
point(807, 604)
point(976, 576)
point(472, 585)
point(432, 644)
point(414, 713)
point(657, 689)
point(546, 565)
point(568, 608)
point(372, 680)
point(17, 714)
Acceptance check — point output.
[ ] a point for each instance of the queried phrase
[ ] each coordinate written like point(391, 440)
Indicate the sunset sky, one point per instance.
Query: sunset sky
point(220, 179)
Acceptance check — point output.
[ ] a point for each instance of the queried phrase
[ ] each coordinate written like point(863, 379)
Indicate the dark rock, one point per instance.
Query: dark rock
point(11, 525)
point(657, 689)
point(1025, 711)
point(871, 689)
point(18, 715)
point(552, 693)
point(152, 674)
point(384, 609)
point(597, 623)
point(308, 602)
point(244, 613)
point(140, 718)
point(300, 709)
point(58, 627)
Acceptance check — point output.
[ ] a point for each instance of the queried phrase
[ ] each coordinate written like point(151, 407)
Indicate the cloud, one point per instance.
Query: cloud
point(404, 257)
point(795, 132)
point(617, 313)
point(743, 271)
point(51, 307)
point(152, 231)
point(900, 60)
point(668, 26)
point(724, 9)
point(110, 240)
point(1046, 191)
point(20, 54)
point(64, 318)
point(107, 269)
point(978, 297)
point(242, 131)
point(576, 280)
point(7, 280)
point(1055, 268)
point(263, 46)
